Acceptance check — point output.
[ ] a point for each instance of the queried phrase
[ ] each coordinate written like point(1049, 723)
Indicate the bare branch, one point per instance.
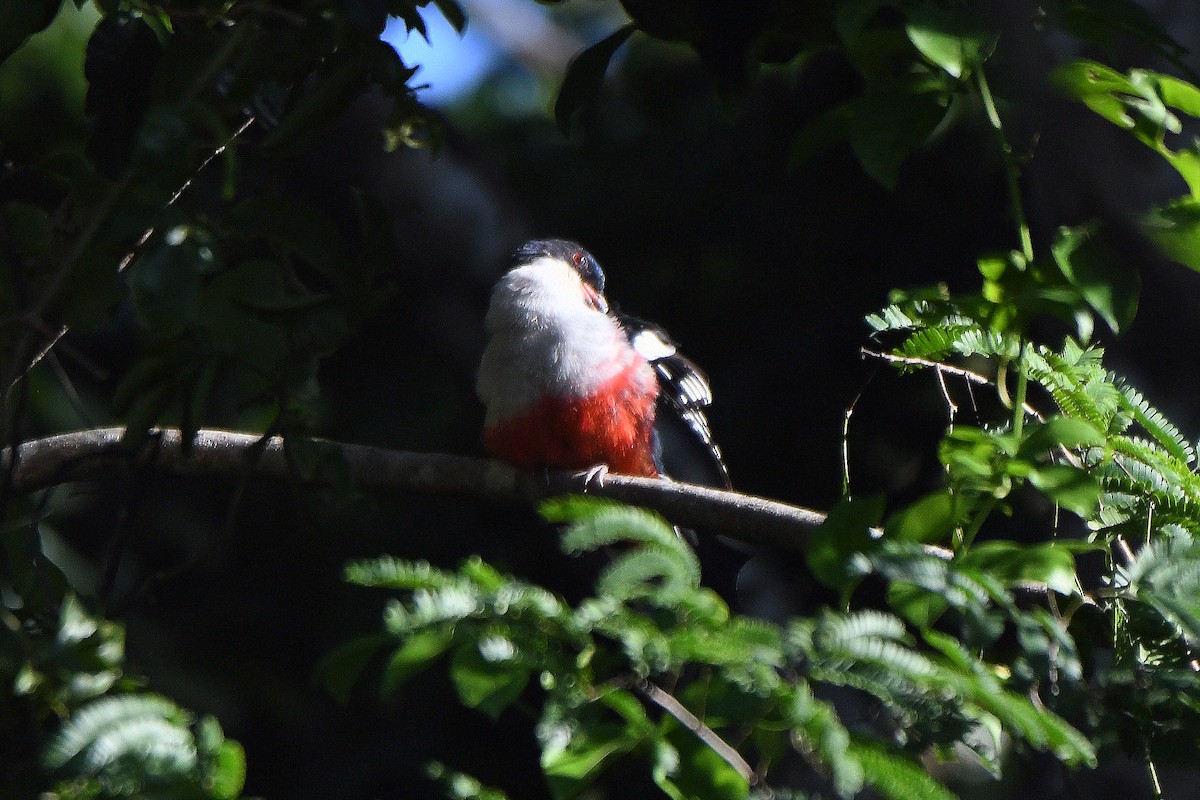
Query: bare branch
point(98, 453)
point(667, 702)
point(946, 369)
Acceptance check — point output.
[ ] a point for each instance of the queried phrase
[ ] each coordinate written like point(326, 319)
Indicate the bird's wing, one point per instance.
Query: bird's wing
point(684, 391)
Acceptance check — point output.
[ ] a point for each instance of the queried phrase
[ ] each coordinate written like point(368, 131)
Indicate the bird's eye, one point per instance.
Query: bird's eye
point(578, 259)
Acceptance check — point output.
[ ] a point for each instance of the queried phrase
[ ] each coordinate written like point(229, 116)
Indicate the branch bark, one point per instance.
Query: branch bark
point(99, 453)
point(728, 753)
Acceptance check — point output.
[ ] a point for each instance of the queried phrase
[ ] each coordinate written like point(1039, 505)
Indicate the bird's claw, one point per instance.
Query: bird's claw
point(593, 477)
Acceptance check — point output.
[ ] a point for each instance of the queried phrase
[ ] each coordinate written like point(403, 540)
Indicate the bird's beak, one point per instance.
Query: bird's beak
point(595, 299)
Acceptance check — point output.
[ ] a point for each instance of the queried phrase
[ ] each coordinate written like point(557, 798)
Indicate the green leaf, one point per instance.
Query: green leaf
point(1131, 102)
point(915, 603)
point(1099, 88)
point(571, 765)
point(599, 524)
point(1178, 93)
point(930, 519)
point(141, 726)
point(648, 572)
point(1175, 228)
point(585, 76)
point(298, 228)
point(342, 78)
point(949, 39)
point(460, 786)
point(1059, 431)
point(164, 283)
point(1153, 421)
point(688, 768)
point(227, 774)
point(1014, 564)
point(573, 508)
point(887, 126)
point(1108, 283)
point(490, 683)
point(1072, 488)
point(894, 776)
point(976, 682)
point(418, 652)
point(820, 134)
point(1101, 22)
point(164, 144)
point(845, 531)
point(20, 19)
point(36, 579)
point(338, 670)
point(852, 16)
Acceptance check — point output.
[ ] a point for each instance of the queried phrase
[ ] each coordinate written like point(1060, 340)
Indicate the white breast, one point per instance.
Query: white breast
point(545, 340)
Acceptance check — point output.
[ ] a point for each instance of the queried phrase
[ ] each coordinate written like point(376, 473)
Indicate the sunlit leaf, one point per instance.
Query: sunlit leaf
point(894, 776)
point(1014, 564)
point(845, 531)
point(489, 684)
point(1108, 283)
point(1072, 488)
point(1059, 431)
point(1175, 227)
point(930, 519)
point(949, 39)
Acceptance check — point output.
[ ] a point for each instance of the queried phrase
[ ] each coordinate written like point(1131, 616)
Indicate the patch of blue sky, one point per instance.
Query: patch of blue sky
point(452, 65)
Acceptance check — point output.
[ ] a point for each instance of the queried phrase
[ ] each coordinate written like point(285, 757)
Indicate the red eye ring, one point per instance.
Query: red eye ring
point(578, 258)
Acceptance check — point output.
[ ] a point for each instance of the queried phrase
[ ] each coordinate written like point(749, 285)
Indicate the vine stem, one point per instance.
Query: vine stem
point(1019, 398)
point(1156, 785)
point(968, 536)
point(1010, 165)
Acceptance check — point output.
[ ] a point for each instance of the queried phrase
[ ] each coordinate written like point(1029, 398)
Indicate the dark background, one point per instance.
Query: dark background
point(762, 272)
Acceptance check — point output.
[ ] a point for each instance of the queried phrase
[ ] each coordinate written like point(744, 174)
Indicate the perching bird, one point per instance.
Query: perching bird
point(570, 383)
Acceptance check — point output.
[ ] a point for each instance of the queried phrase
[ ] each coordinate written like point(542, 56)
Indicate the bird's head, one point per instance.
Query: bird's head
point(571, 254)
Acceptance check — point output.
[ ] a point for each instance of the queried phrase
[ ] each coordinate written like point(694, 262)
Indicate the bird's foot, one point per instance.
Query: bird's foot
point(593, 477)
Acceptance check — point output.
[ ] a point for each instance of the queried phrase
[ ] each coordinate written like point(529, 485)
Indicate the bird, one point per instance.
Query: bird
point(569, 382)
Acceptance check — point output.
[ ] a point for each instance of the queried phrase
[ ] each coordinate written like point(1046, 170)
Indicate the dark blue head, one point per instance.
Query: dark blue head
point(564, 250)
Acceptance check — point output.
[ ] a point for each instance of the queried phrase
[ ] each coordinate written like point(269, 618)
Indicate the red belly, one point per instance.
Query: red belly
point(613, 426)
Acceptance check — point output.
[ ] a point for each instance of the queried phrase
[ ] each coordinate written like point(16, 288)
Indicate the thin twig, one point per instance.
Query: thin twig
point(38, 356)
point(1124, 549)
point(959, 372)
point(951, 406)
point(849, 412)
point(687, 719)
point(145, 237)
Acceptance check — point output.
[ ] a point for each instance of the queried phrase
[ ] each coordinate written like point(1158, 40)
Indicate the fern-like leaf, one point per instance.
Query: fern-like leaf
point(1060, 378)
point(1153, 422)
point(95, 724)
point(894, 776)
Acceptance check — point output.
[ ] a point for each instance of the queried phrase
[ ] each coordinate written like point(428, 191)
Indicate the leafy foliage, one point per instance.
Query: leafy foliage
point(962, 623)
point(110, 738)
point(600, 667)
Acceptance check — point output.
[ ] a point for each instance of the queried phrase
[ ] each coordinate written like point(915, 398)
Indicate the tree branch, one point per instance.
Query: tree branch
point(98, 453)
point(676, 709)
